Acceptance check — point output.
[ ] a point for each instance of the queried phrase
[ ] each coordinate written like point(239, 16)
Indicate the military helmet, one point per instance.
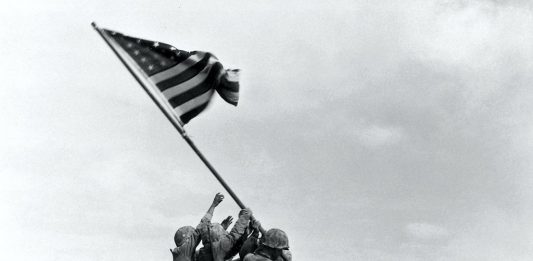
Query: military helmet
point(276, 238)
point(183, 234)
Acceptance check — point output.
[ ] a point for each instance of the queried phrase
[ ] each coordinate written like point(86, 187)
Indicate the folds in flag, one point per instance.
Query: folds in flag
point(184, 80)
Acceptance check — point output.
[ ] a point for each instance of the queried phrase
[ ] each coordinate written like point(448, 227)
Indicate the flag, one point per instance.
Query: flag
point(184, 80)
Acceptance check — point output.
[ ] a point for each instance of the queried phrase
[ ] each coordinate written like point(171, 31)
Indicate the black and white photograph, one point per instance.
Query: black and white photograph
point(266, 130)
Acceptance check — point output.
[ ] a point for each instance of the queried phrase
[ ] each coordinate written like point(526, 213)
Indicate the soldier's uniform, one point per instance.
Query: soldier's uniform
point(187, 239)
point(239, 244)
point(218, 242)
point(250, 245)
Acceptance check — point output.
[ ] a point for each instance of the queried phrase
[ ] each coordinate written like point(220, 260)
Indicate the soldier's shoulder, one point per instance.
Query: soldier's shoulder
point(249, 257)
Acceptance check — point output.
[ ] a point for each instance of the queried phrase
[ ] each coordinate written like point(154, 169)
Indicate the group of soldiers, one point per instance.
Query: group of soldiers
point(247, 238)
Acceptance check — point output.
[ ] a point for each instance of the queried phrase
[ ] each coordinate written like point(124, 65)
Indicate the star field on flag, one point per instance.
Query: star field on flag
point(185, 80)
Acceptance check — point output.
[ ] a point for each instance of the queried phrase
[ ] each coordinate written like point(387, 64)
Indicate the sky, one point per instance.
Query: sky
point(367, 130)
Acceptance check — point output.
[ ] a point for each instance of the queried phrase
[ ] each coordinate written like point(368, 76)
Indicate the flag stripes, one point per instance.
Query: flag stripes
point(229, 87)
point(199, 89)
point(186, 81)
point(188, 73)
point(177, 69)
point(186, 117)
point(197, 101)
point(189, 83)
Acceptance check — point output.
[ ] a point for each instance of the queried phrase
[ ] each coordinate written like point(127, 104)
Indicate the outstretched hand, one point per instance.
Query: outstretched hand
point(227, 222)
point(218, 198)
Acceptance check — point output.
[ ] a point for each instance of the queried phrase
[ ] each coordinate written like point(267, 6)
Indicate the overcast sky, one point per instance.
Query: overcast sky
point(367, 130)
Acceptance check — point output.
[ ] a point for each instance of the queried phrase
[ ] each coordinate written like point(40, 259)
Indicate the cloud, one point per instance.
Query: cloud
point(492, 234)
point(425, 231)
point(360, 115)
point(375, 136)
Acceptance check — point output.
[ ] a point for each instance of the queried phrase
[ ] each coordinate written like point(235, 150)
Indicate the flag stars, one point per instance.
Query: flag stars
point(129, 45)
point(136, 52)
point(156, 44)
point(143, 59)
point(163, 63)
point(150, 67)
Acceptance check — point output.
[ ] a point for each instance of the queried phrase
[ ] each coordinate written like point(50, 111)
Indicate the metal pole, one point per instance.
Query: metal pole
point(215, 173)
point(169, 116)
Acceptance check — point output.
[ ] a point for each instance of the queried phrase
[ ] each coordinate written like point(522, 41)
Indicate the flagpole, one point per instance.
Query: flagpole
point(172, 120)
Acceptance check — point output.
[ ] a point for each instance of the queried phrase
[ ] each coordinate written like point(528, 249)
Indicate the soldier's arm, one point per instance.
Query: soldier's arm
point(237, 231)
point(195, 238)
point(257, 225)
point(218, 198)
point(250, 245)
point(241, 224)
point(209, 214)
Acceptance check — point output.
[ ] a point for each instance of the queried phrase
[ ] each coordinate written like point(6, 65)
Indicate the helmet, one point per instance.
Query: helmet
point(276, 238)
point(183, 235)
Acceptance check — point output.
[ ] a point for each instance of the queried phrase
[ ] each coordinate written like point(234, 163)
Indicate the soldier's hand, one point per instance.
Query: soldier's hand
point(256, 224)
point(247, 213)
point(227, 222)
point(218, 198)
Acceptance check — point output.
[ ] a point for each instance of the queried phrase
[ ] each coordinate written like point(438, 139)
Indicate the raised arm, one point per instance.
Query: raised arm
point(251, 243)
point(257, 225)
point(237, 231)
point(218, 198)
point(206, 219)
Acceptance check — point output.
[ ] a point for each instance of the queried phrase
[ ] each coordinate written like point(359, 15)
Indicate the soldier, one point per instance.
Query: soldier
point(187, 238)
point(218, 242)
point(251, 230)
point(275, 247)
point(251, 243)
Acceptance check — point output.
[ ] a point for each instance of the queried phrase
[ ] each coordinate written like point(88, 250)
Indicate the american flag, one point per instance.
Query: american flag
point(186, 81)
